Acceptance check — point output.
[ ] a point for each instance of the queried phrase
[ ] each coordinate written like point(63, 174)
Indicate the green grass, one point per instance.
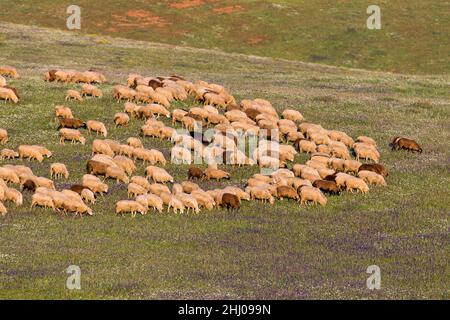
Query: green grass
point(413, 39)
point(263, 252)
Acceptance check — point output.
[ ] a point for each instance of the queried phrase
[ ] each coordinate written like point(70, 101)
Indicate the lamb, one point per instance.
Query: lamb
point(406, 144)
point(371, 177)
point(133, 207)
point(3, 136)
point(375, 167)
point(356, 183)
point(73, 95)
point(8, 94)
point(42, 200)
point(311, 194)
point(116, 173)
point(59, 170)
point(211, 173)
point(287, 192)
point(71, 135)
point(97, 126)
point(158, 175)
point(135, 142)
point(8, 71)
point(64, 112)
point(327, 186)
point(121, 119)
point(8, 154)
point(30, 153)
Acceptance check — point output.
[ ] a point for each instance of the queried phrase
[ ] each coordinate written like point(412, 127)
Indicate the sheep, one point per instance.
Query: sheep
point(158, 175)
point(123, 93)
point(71, 135)
point(260, 193)
point(135, 142)
point(158, 189)
point(336, 164)
point(371, 177)
point(71, 123)
point(116, 173)
point(195, 173)
point(9, 175)
point(79, 207)
point(59, 169)
point(121, 119)
point(351, 165)
point(406, 144)
point(8, 154)
point(8, 71)
point(73, 95)
point(125, 163)
point(8, 94)
point(313, 194)
point(341, 136)
point(367, 154)
point(97, 126)
point(2, 81)
point(3, 136)
point(44, 182)
point(287, 192)
point(327, 186)
point(211, 173)
point(96, 186)
point(230, 201)
point(180, 155)
point(102, 147)
point(375, 167)
point(126, 150)
point(130, 108)
point(133, 207)
point(42, 200)
point(151, 200)
point(306, 146)
point(158, 110)
point(64, 112)
point(30, 153)
point(177, 115)
point(88, 196)
point(341, 179)
point(157, 156)
point(367, 140)
point(72, 195)
point(189, 202)
point(13, 195)
point(135, 190)
point(356, 183)
point(90, 90)
point(293, 115)
point(29, 185)
point(189, 187)
point(3, 210)
point(159, 98)
point(96, 167)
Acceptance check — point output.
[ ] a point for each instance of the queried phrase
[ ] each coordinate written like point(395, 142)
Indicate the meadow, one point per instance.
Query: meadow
point(285, 251)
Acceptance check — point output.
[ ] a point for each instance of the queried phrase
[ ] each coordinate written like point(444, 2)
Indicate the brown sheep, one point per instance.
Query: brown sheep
point(405, 144)
point(195, 173)
point(96, 168)
point(230, 201)
point(29, 185)
point(375, 167)
point(327, 186)
point(287, 192)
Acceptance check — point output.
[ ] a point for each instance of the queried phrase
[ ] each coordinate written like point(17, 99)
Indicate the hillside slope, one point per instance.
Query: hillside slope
point(284, 251)
point(414, 37)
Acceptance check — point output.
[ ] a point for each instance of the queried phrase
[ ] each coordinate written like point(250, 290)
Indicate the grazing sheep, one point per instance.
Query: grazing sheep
point(158, 189)
point(71, 123)
point(327, 186)
point(94, 184)
point(71, 135)
point(42, 200)
point(313, 194)
point(88, 196)
point(406, 144)
point(59, 170)
point(306, 146)
point(176, 204)
point(135, 142)
point(211, 173)
point(371, 177)
point(29, 185)
point(116, 173)
point(292, 115)
point(8, 154)
point(121, 119)
point(96, 168)
point(287, 192)
point(230, 201)
point(180, 155)
point(260, 193)
point(30, 153)
point(8, 71)
point(143, 182)
point(195, 173)
point(3, 136)
point(375, 167)
point(8, 94)
point(158, 175)
point(135, 190)
point(64, 112)
point(78, 207)
point(366, 153)
point(73, 95)
point(102, 147)
point(125, 163)
point(337, 164)
point(3, 210)
point(367, 140)
point(352, 183)
point(13, 195)
point(9, 175)
point(90, 90)
point(97, 126)
point(152, 200)
point(133, 207)
point(351, 166)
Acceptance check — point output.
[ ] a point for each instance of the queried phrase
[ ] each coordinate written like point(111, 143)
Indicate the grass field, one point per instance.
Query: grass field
point(263, 252)
point(413, 39)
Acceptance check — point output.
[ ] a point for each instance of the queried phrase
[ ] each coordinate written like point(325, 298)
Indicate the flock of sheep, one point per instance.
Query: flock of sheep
point(213, 131)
